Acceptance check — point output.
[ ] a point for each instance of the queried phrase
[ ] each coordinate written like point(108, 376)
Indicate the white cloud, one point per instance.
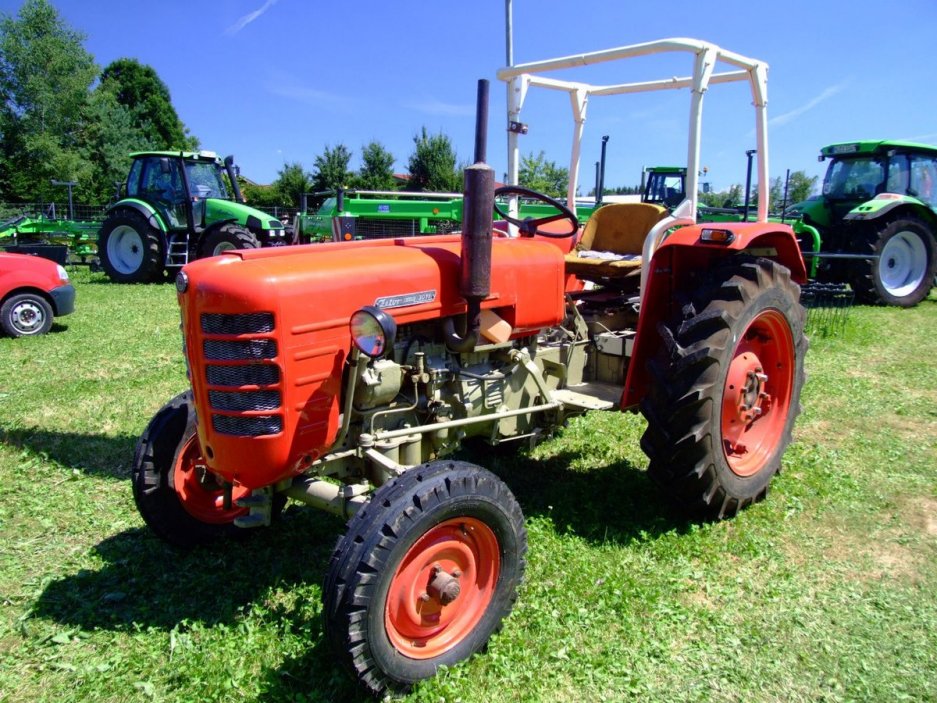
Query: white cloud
point(249, 17)
point(432, 106)
point(289, 88)
point(792, 115)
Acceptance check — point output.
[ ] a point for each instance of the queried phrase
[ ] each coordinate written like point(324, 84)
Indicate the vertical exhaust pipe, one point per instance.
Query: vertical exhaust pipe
point(478, 204)
point(601, 189)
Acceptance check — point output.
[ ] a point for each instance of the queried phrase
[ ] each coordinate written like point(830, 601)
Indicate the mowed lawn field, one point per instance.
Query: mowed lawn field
point(827, 591)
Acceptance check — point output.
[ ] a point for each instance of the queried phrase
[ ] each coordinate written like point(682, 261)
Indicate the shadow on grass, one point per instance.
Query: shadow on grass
point(146, 584)
point(100, 455)
point(615, 503)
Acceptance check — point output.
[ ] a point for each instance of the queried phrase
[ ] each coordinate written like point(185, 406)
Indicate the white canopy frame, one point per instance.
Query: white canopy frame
point(522, 76)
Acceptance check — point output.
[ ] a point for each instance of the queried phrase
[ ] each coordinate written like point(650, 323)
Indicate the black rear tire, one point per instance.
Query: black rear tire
point(226, 238)
point(903, 271)
point(710, 450)
point(437, 513)
point(25, 315)
point(129, 248)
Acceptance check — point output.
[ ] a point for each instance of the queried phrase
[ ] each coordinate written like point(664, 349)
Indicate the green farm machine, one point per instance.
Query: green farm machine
point(176, 209)
point(346, 215)
point(875, 223)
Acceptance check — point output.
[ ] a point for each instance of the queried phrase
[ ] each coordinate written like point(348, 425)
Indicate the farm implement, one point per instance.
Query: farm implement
point(347, 215)
point(344, 376)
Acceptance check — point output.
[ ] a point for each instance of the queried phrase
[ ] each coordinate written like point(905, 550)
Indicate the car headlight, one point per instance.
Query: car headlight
point(63, 274)
point(372, 331)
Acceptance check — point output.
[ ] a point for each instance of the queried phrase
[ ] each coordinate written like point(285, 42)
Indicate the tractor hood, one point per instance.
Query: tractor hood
point(267, 333)
point(217, 210)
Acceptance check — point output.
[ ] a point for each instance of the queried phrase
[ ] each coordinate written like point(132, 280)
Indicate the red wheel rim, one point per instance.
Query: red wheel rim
point(200, 495)
point(756, 400)
point(422, 618)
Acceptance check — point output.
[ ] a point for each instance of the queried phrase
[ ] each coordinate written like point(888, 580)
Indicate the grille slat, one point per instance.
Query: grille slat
point(223, 350)
point(253, 426)
point(253, 375)
point(239, 401)
point(245, 323)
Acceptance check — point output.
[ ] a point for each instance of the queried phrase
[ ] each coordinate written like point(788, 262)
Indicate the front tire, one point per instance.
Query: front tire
point(176, 496)
point(129, 248)
point(725, 389)
point(905, 265)
point(425, 574)
point(26, 315)
point(227, 238)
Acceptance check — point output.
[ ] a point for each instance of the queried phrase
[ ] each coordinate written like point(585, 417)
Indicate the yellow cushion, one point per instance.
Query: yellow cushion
point(620, 227)
point(616, 229)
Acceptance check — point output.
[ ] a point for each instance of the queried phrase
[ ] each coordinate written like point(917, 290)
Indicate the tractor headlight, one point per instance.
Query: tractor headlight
point(372, 331)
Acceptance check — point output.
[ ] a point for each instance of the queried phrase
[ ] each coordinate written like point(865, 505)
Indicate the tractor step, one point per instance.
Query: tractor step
point(178, 253)
point(590, 396)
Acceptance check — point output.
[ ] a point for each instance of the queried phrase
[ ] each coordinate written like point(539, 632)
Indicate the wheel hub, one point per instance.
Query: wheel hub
point(442, 588)
point(27, 317)
point(756, 398)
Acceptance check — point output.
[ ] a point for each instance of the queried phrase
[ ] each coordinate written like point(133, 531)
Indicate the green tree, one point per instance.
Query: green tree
point(45, 76)
point(377, 168)
point(432, 164)
point(107, 138)
point(543, 176)
point(292, 181)
point(261, 196)
point(800, 186)
point(139, 88)
point(331, 169)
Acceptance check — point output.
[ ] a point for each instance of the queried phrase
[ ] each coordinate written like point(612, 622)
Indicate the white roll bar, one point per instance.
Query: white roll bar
point(706, 56)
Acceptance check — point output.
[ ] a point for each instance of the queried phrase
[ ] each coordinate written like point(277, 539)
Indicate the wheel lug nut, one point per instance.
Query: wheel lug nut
point(424, 597)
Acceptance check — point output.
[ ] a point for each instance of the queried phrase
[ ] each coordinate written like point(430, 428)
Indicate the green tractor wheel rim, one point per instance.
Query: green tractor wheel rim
point(903, 264)
point(125, 249)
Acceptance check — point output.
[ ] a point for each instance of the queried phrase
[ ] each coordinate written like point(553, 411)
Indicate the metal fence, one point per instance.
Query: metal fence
point(58, 210)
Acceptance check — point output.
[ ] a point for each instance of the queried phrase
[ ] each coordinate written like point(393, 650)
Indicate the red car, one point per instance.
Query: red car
point(33, 290)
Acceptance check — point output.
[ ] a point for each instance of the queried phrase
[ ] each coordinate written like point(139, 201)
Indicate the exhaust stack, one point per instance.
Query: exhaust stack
point(478, 204)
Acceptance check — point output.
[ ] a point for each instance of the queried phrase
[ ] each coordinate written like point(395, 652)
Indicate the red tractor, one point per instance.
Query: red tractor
point(343, 375)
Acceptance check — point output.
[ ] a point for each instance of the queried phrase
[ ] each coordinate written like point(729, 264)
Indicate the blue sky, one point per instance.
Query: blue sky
point(275, 81)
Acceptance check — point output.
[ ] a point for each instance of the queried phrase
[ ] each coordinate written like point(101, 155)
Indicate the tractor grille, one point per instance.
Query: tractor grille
point(253, 375)
point(254, 426)
point(219, 350)
point(244, 400)
point(239, 405)
point(249, 323)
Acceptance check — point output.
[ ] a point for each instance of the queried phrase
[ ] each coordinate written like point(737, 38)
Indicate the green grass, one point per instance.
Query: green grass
point(824, 592)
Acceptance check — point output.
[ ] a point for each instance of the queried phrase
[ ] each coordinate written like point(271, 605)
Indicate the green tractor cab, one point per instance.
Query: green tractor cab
point(877, 220)
point(175, 209)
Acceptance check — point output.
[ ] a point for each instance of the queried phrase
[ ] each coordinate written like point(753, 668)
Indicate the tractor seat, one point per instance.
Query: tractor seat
point(613, 239)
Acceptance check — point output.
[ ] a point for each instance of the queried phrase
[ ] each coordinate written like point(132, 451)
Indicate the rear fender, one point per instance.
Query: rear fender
point(144, 208)
point(677, 269)
point(890, 205)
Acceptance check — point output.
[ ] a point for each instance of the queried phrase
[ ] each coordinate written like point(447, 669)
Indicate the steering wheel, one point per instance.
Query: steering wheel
point(530, 226)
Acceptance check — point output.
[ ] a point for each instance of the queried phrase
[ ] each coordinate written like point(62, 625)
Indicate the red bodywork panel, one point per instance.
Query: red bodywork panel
point(312, 292)
point(19, 272)
point(681, 255)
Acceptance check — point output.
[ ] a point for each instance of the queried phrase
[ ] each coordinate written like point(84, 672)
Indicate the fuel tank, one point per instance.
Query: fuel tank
point(267, 336)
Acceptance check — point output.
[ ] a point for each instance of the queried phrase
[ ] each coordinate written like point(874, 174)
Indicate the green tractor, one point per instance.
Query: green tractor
point(877, 220)
point(175, 209)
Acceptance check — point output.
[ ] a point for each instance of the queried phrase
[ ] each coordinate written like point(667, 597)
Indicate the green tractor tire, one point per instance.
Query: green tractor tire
point(129, 248)
point(902, 272)
point(225, 238)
